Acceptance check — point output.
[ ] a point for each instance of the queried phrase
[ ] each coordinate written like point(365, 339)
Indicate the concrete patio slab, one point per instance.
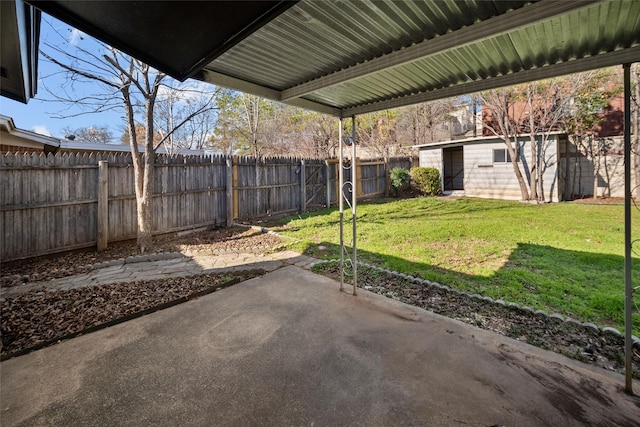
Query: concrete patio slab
point(288, 348)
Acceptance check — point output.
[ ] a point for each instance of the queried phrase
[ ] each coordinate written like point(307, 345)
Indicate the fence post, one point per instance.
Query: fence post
point(236, 193)
point(230, 202)
point(103, 205)
point(303, 187)
point(327, 175)
point(358, 169)
point(387, 177)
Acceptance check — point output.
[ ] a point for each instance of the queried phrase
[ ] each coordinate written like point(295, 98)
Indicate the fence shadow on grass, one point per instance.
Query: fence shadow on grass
point(582, 285)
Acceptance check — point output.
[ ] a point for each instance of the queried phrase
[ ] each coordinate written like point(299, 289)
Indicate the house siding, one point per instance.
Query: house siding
point(431, 158)
point(580, 169)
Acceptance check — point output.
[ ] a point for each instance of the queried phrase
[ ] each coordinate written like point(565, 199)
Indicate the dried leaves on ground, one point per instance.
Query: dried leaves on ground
point(40, 317)
point(233, 239)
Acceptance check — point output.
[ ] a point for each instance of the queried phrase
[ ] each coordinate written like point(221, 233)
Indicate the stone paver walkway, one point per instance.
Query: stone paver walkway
point(165, 266)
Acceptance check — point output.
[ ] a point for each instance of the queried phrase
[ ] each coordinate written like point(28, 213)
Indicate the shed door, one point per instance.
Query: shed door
point(453, 161)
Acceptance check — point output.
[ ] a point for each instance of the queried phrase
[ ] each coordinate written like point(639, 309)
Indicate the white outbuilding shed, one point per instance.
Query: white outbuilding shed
point(481, 167)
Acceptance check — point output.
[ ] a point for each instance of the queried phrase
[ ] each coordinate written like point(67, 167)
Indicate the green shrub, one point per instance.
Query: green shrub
point(400, 180)
point(427, 180)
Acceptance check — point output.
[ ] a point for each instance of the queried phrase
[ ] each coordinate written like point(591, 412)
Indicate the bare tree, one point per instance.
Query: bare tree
point(377, 132)
point(499, 117)
point(178, 102)
point(546, 105)
point(426, 122)
point(117, 81)
point(253, 107)
point(323, 135)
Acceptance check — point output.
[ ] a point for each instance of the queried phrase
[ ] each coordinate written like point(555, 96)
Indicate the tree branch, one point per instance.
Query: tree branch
point(80, 72)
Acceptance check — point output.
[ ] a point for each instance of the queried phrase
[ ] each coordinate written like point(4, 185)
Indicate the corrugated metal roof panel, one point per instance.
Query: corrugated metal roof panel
point(339, 51)
point(323, 37)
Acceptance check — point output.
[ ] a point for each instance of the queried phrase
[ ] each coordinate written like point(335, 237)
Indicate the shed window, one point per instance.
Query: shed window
point(501, 155)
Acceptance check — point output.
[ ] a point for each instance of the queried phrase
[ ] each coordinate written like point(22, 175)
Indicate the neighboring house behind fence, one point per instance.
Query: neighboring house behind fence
point(16, 140)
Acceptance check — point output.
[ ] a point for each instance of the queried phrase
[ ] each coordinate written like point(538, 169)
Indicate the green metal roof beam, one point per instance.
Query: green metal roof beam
point(234, 83)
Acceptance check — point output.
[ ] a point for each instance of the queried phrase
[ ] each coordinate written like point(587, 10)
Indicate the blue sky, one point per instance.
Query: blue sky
point(39, 115)
point(42, 113)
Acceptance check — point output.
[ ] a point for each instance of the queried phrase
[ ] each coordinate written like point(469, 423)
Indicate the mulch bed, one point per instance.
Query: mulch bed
point(40, 318)
point(80, 262)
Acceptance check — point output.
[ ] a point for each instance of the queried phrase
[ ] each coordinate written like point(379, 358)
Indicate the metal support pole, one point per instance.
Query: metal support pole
point(628, 302)
point(340, 198)
point(354, 196)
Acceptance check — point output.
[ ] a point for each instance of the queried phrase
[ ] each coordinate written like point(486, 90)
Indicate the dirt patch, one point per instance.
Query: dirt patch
point(600, 201)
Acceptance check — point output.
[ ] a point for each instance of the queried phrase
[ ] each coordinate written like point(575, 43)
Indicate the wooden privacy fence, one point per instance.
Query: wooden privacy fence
point(372, 177)
point(55, 203)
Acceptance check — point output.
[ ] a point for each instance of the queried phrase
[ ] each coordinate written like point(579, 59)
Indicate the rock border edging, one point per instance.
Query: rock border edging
point(512, 305)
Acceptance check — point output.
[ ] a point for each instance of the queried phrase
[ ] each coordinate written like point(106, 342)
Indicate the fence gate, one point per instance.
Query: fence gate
point(315, 182)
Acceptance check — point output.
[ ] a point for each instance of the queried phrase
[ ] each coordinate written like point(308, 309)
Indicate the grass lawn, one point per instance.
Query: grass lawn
point(563, 257)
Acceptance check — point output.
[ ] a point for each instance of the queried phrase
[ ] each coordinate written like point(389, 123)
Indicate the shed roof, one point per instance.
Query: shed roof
point(476, 140)
point(351, 57)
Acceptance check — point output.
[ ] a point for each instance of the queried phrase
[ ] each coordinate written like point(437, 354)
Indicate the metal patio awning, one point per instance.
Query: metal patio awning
point(352, 57)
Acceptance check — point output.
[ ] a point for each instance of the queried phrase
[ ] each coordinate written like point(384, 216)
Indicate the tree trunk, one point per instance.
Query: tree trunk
point(533, 167)
point(145, 205)
point(144, 181)
point(516, 168)
point(533, 181)
point(142, 174)
point(539, 161)
point(595, 158)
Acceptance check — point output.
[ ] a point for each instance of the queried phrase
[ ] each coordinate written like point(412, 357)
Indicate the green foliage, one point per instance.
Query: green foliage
point(427, 180)
point(400, 180)
point(592, 97)
point(240, 124)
